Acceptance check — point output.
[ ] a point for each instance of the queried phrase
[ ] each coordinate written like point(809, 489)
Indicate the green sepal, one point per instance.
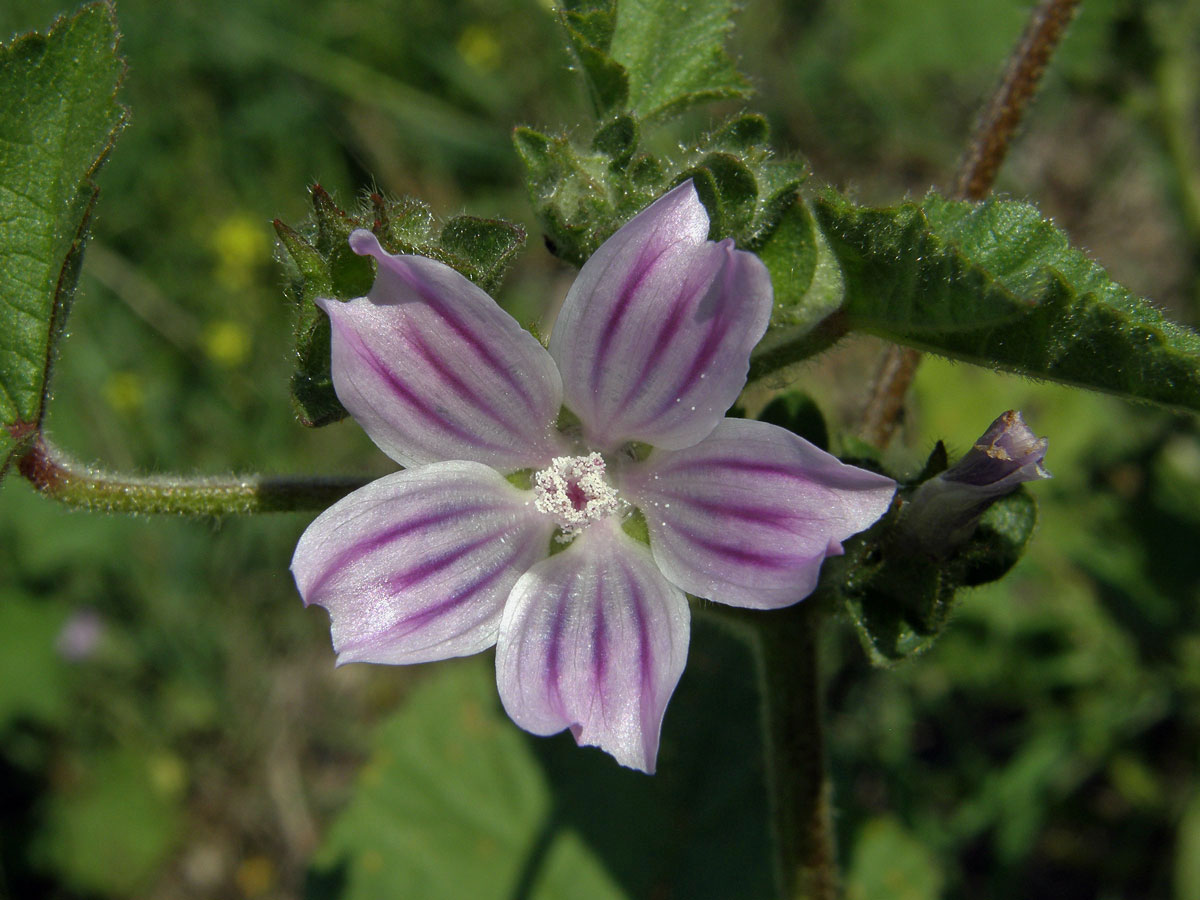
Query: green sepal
point(798, 413)
point(900, 600)
point(809, 292)
point(583, 195)
point(618, 140)
point(320, 263)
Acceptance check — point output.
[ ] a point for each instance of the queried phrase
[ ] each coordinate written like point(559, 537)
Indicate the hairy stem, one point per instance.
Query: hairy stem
point(70, 482)
point(976, 174)
point(798, 780)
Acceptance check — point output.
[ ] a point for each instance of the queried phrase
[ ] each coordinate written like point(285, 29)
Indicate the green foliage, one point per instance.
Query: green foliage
point(890, 862)
point(457, 802)
point(653, 57)
point(900, 600)
point(320, 263)
point(643, 60)
point(674, 54)
point(1187, 855)
point(58, 120)
point(583, 196)
point(809, 289)
point(111, 830)
point(996, 284)
point(33, 683)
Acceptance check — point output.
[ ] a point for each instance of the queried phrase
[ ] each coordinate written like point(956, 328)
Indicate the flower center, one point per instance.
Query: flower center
point(574, 492)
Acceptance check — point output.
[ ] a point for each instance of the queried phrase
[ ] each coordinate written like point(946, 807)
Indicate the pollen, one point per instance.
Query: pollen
point(574, 492)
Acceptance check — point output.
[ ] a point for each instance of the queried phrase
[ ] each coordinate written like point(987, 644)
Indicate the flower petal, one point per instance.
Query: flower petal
point(654, 338)
point(417, 565)
point(747, 516)
point(433, 369)
point(594, 639)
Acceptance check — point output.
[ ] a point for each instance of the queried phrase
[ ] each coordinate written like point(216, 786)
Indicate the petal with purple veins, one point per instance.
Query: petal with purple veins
point(747, 516)
point(417, 565)
point(594, 639)
point(433, 369)
point(654, 338)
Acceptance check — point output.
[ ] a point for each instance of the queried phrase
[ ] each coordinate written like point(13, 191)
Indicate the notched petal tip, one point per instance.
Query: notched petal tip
point(748, 516)
point(417, 565)
point(655, 335)
point(365, 243)
point(433, 369)
point(594, 640)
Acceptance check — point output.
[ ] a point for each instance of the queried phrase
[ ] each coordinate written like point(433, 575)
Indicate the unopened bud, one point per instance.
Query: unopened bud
point(943, 512)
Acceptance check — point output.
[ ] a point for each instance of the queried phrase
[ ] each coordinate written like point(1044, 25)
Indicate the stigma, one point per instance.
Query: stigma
point(574, 491)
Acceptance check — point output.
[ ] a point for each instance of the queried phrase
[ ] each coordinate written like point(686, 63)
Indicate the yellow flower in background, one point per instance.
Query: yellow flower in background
point(241, 247)
point(123, 392)
point(226, 343)
point(479, 48)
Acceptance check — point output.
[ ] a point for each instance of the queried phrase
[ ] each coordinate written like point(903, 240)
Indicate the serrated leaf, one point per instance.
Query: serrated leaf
point(674, 54)
point(58, 120)
point(456, 801)
point(618, 140)
point(996, 284)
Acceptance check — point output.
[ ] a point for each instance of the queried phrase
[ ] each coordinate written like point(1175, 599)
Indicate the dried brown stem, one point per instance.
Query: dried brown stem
point(976, 175)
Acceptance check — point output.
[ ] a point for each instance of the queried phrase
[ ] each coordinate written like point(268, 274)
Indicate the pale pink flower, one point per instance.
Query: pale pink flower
point(450, 556)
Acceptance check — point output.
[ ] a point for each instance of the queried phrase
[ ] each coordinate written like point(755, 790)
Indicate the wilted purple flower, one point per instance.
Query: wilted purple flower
point(460, 550)
point(945, 510)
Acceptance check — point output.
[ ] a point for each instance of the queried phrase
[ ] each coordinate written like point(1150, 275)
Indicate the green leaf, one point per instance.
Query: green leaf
point(320, 263)
point(674, 55)
point(1187, 853)
point(998, 285)
point(120, 807)
point(889, 862)
point(58, 120)
point(33, 676)
point(809, 289)
point(590, 32)
point(799, 414)
point(456, 801)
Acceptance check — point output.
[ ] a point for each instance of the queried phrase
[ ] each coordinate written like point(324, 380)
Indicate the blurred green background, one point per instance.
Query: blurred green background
point(171, 724)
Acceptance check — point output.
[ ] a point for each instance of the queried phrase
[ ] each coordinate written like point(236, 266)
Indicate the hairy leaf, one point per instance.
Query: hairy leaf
point(996, 284)
point(457, 802)
point(674, 54)
point(58, 120)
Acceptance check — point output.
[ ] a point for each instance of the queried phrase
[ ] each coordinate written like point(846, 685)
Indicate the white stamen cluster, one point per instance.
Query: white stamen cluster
point(574, 491)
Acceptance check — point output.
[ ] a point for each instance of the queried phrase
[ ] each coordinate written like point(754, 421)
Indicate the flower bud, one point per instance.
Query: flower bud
point(943, 512)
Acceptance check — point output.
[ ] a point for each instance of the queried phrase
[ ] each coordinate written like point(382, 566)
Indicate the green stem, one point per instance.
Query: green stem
point(796, 769)
point(57, 476)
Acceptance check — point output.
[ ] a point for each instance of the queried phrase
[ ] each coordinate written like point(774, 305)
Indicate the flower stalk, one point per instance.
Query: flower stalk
point(797, 775)
point(61, 478)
